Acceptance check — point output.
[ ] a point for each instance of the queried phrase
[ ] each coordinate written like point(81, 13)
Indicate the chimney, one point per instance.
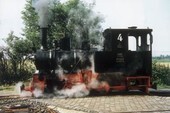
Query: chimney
point(43, 37)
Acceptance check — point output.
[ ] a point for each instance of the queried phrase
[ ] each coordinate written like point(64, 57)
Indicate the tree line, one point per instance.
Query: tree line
point(163, 58)
point(73, 18)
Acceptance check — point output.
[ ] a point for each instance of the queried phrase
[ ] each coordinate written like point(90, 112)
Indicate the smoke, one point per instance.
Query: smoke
point(26, 91)
point(91, 58)
point(25, 94)
point(93, 84)
point(18, 87)
point(41, 7)
point(78, 90)
point(64, 57)
point(60, 72)
point(38, 92)
point(22, 93)
point(86, 24)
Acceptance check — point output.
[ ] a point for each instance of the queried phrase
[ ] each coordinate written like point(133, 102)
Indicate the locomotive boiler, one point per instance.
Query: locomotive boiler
point(115, 67)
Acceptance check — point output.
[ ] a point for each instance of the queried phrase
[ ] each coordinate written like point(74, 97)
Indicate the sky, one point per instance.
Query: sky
point(154, 14)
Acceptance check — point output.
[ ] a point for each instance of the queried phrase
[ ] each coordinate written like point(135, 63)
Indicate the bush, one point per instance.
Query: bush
point(9, 77)
point(160, 74)
point(13, 70)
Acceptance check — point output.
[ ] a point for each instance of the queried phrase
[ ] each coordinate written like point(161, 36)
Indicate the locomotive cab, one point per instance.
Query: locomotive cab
point(134, 63)
point(118, 55)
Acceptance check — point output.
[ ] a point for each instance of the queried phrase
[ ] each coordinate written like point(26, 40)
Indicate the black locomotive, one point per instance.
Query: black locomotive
point(115, 67)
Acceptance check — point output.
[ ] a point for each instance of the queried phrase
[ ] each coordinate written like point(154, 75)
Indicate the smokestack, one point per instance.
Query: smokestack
point(43, 37)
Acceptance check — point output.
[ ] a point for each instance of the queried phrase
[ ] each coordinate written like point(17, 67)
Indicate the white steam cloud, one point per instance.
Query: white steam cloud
point(27, 93)
point(22, 93)
point(78, 90)
point(38, 93)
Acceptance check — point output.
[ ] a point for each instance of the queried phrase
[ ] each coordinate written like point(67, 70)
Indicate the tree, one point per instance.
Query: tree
point(31, 30)
point(57, 23)
point(83, 23)
point(73, 18)
point(4, 69)
point(14, 57)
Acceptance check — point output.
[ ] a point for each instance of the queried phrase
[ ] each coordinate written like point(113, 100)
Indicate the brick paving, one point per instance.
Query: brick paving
point(107, 104)
point(113, 104)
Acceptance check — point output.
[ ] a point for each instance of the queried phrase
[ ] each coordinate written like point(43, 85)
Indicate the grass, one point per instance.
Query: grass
point(6, 87)
point(12, 87)
point(164, 63)
point(163, 87)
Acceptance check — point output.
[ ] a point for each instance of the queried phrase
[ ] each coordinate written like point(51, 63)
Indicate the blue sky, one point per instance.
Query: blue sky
point(154, 14)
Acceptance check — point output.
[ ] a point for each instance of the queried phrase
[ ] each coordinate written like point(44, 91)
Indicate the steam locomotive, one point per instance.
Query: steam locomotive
point(115, 67)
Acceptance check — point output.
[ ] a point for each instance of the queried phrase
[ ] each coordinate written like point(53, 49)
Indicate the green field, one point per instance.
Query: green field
point(164, 63)
point(7, 87)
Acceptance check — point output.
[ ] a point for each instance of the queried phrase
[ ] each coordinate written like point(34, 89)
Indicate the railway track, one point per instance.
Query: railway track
point(15, 104)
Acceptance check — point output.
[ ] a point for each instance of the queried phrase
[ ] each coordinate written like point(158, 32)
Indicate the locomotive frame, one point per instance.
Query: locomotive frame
point(116, 67)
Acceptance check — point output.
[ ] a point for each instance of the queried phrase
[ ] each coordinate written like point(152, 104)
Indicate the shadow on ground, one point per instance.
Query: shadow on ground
point(152, 92)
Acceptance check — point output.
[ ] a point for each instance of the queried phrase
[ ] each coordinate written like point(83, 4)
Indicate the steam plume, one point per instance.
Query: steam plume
point(41, 7)
point(78, 90)
point(38, 92)
point(22, 93)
